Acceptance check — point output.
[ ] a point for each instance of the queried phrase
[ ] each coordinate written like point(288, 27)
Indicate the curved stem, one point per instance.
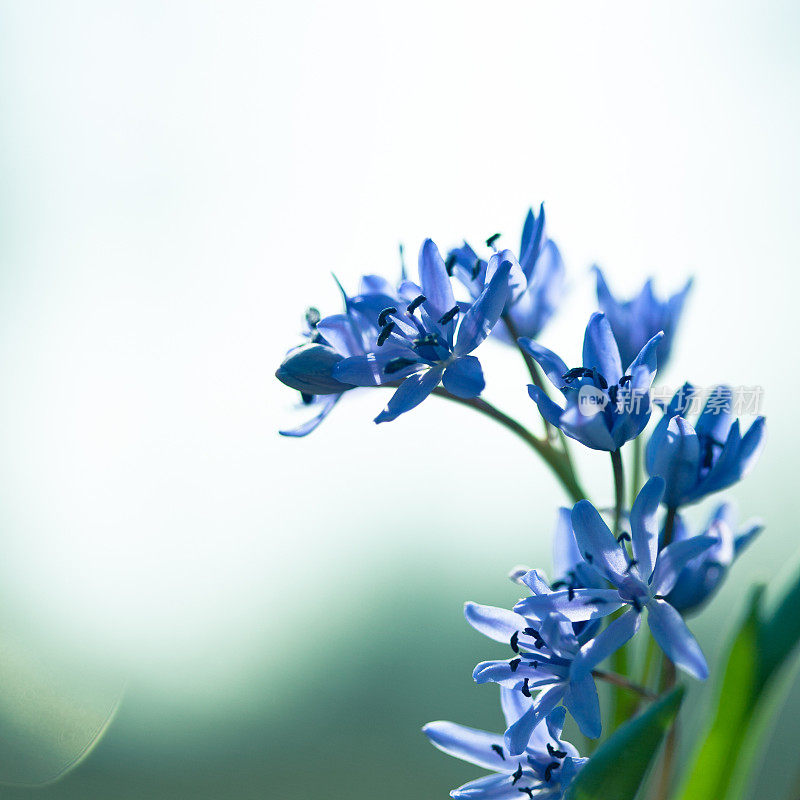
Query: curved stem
point(530, 363)
point(621, 681)
point(557, 461)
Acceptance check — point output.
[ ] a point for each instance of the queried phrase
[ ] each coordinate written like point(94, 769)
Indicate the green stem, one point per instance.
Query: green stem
point(636, 468)
point(619, 488)
point(533, 367)
point(623, 683)
point(668, 677)
point(556, 460)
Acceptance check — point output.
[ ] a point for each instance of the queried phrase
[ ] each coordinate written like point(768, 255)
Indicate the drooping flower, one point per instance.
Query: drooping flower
point(641, 579)
point(309, 367)
point(543, 770)
point(698, 461)
point(427, 337)
point(604, 406)
point(536, 292)
point(699, 580)
point(634, 322)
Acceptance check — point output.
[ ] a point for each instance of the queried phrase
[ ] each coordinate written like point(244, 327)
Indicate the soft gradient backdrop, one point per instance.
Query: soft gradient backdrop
point(177, 182)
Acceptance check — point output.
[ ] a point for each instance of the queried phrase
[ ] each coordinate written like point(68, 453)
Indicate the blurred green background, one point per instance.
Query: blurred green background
point(177, 181)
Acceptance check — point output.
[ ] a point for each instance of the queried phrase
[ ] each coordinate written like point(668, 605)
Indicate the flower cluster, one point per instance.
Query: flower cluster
point(614, 568)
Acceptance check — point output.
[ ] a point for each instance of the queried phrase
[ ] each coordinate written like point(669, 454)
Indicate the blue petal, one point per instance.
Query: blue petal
point(468, 744)
point(514, 704)
point(310, 369)
point(717, 414)
point(644, 525)
point(518, 735)
point(369, 369)
point(675, 456)
point(648, 358)
point(553, 366)
point(435, 281)
point(675, 639)
point(341, 331)
point(532, 238)
point(486, 310)
point(375, 284)
point(464, 377)
point(674, 557)
point(497, 623)
point(577, 606)
point(590, 430)
point(606, 643)
point(517, 280)
point(595, 539)
point(491, 787)
point(582, 702)
point(327, 403)
point(547, 408)
point(411, 392)
point(600, 350)
point(565, 549)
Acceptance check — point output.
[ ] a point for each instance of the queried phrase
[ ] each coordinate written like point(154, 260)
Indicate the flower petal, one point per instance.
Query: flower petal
point(468, 744)
point(310, 369)
point(597, 543)
point(519, 734)
point(435, 281)
point(514, 704)
point(411, 392)
point(553, 366)
point(490, 787)
point(565, 549)
point(647, 358)
point(486, 310)
point(675, 639)
point(674, 557)
point(582, 702)
point(464, 377)
point(590, 430)
point(547, 408)
point(600, 350)
point(606, 643)
point(675, 456)
point(370, 369)
point(499, 624)
point(577, 605)
point(644, 525)
point(326, 404)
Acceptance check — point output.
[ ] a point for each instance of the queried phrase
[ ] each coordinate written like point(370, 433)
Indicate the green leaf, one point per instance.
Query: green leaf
point(750, 686)
point(53, 710)
point(618, 768)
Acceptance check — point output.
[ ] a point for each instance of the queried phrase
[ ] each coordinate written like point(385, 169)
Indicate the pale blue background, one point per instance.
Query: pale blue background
point(177, 181)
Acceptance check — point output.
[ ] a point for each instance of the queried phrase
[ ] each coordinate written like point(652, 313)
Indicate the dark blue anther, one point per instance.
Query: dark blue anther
point(548, 770)
point(398, 363)
point(307, 398)
point(312, 317)
point(525, 689)
point(624, 537)
point(387, 312)
point(385, 333)
point(449, 315)
point(492, 239)
point(450, 263)
point(554, 752)
point(517, 774)
point(589, 557)
point(514, 640)
point(499, 751)
point(416, 303)
point(476, 269)
point(570, 593)
point(528, 792)
point(514, 663)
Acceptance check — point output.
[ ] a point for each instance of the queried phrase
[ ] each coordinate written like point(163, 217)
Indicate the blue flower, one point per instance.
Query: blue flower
point(636, 321)
point(537, 284)
point(604, 406)
point(641, 580)
point(699, 580)
point(543, 769)
point(426, 337)
point(544, 652)
point(697, 461)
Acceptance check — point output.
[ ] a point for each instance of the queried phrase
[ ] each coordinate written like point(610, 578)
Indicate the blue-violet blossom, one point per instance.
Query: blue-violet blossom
point(605, 407)
point(543, 770)
point(636, 321)
point(697, 461)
